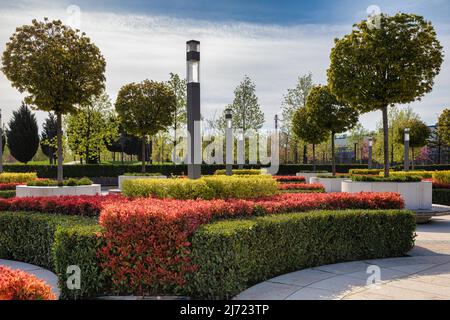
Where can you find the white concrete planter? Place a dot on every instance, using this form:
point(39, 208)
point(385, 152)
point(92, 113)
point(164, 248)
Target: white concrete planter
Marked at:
point(32, 191)
point(123, 178)
point(417, 195)
point(309, 175)
point(330, 184)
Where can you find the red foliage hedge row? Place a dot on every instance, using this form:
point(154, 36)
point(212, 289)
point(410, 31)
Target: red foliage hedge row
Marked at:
point(301, 186)
point(147, 247)
point(9, 186)
point(18, 285)
point(89, 206)
point(283, 179)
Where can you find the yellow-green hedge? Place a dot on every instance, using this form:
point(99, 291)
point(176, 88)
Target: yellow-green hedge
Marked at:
point(212, 187)
point(441, 177)
point(365, 171)
point(13, 177)
point(420, 174)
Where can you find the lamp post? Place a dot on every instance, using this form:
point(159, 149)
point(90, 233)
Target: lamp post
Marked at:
point(1, 142)
point(241, 149)
point(229, 142)
point(370, 152)
point(406, 165)
point(193, 109)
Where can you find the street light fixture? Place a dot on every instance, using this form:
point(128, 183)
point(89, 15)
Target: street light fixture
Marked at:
point(229, 142)
point(370, 152)
point(406, 144)
point(241, 149)
point(193, 108)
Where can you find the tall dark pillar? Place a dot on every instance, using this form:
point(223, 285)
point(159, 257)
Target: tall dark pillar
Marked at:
point(193, 109)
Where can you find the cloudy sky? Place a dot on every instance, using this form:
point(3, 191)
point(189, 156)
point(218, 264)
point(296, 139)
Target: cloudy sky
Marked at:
point(271, 41)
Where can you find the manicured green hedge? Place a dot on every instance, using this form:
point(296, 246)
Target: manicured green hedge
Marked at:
point(77, 245)
point(110, 170)
point(210, 187)
point(6, 194)
point(432, 167)
point(394, 178)
point(365, 171)
point(441, 196)
point(54, 242)
point(55, 183)
point(442, 177)
point(235, 254)
point(417, 173)
point(231, 255)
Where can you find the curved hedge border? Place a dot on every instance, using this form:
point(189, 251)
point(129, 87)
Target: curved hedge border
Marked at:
point(54, 242)
point(234, 255)
point(231, 255)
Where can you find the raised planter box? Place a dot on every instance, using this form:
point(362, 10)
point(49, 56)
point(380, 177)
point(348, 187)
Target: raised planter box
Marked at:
point(309, 175)
point(124, 178)
point(417, 195)
point(330, 184)
point(31, 191)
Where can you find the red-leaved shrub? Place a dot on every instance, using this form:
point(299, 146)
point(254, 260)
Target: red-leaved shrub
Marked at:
point(9, 186)
point(328, 201)
point(88, 206)
point(147, 249)
point(19, 285)
point(283, 179)
point(301, 186)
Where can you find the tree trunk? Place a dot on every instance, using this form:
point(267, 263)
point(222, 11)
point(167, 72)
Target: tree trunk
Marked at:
point(150, 151)
point(286, 149)
point(412, 158)
point(333, 159)
point(295, 153)
point(314, 157)
point(386, 141)
point(305, 154)
point(143, 144)
point(174, 153)
point(392, 153)
point(361, 154)
point(87, 155)
point(439, 153)
point(59, 143)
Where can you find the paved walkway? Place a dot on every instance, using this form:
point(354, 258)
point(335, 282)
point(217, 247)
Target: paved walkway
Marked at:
point(424, 274)
point(45, 275)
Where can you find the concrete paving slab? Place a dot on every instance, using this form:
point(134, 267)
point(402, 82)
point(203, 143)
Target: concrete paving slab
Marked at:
point(313, 294)
point(268, 291)
point(344, 268)
point(341, 284)
point(303, 278)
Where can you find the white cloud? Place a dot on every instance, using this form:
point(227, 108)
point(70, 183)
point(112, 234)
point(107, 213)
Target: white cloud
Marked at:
point(140, 47)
